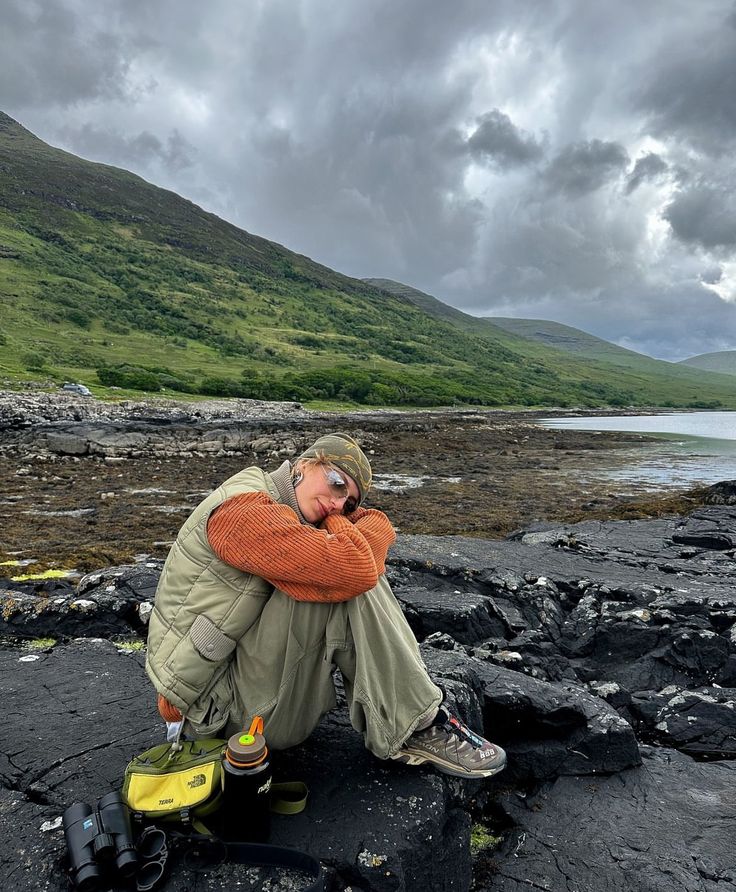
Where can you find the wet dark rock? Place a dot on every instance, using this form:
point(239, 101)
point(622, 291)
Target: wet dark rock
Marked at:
point(548, 729)
point(136, 583)
point(569, 645)
point(667, 825)
point(699, 722)
point(531, 653)
point(87, 707)
point(467, 616)
point(611, 601)
point(114, 602)
point(722, 493)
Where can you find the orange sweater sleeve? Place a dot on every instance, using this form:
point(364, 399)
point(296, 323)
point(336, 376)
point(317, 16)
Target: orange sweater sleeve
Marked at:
point(377, 529)
point(332, 563)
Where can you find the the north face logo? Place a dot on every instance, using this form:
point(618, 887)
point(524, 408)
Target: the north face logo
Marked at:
point(197, 781)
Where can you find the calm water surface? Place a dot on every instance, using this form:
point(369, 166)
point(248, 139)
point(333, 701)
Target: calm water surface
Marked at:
point(689, 447)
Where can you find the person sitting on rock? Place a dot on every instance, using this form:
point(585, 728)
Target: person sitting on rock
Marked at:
point(275, 579)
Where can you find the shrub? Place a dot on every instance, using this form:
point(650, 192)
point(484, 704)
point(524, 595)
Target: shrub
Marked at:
point(78, 318)
point(222, 387)
point(33, 361)
point(129, 376)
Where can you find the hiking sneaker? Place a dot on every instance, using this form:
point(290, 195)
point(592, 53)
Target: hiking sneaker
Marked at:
point(452, 748)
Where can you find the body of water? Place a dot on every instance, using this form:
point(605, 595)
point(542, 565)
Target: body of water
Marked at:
point(689, 448)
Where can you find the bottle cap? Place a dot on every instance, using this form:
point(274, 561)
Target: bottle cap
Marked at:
point(247, 749)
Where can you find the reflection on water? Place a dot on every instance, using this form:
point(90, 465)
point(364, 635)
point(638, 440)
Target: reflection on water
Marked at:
point(710, 425)
point(687, 448)
point(404, 482)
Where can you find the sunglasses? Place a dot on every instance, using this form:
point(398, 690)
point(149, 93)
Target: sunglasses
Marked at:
point(339, 486)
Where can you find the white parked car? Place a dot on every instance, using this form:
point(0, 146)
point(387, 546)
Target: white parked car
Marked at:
point(76, 388)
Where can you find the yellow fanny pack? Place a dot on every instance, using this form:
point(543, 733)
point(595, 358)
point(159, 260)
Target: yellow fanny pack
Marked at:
point(175, 782)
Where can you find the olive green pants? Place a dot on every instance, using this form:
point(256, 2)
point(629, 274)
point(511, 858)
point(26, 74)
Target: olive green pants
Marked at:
point(283, 666)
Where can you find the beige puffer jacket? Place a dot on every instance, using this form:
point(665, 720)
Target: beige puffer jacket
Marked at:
point(204, 606)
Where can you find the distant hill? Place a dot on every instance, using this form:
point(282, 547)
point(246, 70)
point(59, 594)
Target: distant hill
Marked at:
point(564, 337)
point(111, 281)
point(723, 361)
point(575, 350)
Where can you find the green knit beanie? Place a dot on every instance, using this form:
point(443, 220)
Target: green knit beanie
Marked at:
point(343, 452)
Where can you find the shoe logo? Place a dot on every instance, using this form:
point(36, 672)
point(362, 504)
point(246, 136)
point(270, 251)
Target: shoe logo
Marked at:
point(197, 781)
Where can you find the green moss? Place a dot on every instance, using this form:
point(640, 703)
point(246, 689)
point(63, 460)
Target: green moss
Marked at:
point(129, 645)
point(482, 841)
point(41, 643)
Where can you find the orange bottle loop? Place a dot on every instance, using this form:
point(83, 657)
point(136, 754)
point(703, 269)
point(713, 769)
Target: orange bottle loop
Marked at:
point(256, 726)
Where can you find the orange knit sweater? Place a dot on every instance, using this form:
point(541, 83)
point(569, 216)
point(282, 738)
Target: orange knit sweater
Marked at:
point(334, 562)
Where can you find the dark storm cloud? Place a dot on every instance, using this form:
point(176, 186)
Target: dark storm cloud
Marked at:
point(585, 166)
point(691, 91)
point(394, 195)
point(497, 139)
point(705, 214)
point(648, 167)
point(175, 153)
point(68, 57)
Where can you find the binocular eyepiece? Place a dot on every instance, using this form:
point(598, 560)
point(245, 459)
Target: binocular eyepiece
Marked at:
point(99, 839)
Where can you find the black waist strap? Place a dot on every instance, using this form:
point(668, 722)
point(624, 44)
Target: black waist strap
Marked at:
point(205, 851)
point(263, 855)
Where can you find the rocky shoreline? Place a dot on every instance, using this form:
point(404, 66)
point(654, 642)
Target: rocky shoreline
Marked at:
point(601, 654)
point(87, 484)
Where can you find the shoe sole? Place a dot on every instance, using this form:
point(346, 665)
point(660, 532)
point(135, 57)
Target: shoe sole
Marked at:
point(409, 758)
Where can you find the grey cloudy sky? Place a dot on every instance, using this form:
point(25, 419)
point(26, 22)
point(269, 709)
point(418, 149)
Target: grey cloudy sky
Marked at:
point(571, 160)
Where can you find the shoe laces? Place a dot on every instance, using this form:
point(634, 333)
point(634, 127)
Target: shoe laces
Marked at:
point(464, 733)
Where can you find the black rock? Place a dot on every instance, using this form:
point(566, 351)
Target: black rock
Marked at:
point(547, 729)
point(700, 722)
point(85, 708)
point(562, 644)
point(668, 825)
point(722, 493)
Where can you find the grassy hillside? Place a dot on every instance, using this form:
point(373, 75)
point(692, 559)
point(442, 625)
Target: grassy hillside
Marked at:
point(571, 340)
point(723, 361)
point(578, 354)
point(111, 281)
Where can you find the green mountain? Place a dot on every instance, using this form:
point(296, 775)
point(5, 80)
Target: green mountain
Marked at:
point(723, 361)
point(579, 354)
point(111, 281)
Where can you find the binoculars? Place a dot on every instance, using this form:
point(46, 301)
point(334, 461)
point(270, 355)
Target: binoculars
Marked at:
point(99, 840)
